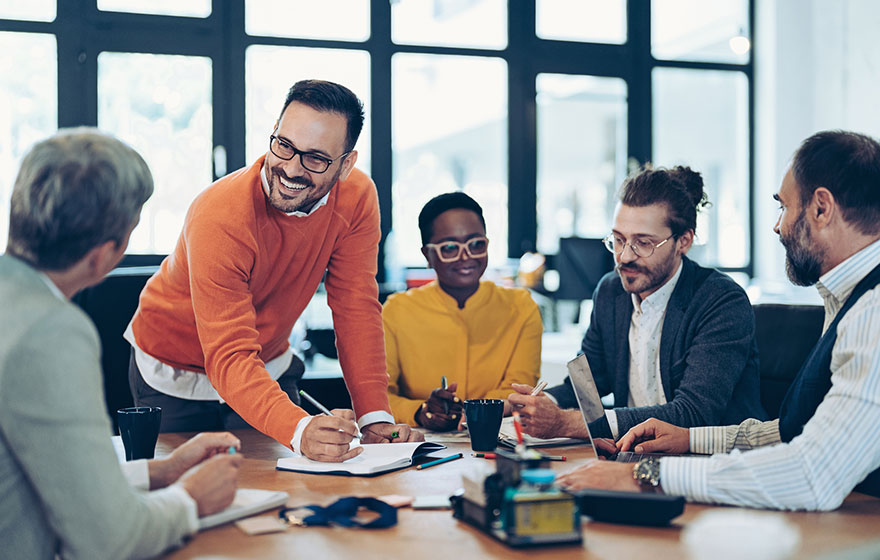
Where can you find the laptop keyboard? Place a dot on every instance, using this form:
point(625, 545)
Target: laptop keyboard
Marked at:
point(632, 457)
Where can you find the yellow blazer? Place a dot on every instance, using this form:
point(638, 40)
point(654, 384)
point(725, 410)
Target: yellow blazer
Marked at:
point(491, 343)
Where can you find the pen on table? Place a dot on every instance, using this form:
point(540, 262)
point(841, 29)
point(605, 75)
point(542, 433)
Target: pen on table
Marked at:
point(538, 388)
point(485, 455)
point(443, 385)
point(554, 457)
point(439, 461)
point(321, 407)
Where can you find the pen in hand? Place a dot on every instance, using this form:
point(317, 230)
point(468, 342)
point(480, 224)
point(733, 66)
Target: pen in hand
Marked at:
point(538, 388)
point(321, 407)
point(443, 385)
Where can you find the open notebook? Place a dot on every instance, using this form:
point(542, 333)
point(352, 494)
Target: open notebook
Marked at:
point(247, 501)
point(377, 458)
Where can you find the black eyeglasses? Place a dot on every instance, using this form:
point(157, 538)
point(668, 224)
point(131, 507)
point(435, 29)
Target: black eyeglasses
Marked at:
point(310, 160)
point(640, 247)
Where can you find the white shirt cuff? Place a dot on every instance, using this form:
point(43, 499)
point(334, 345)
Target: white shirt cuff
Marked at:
point(298, 434)
point(137, 473)
point(611, 416)
point(365, 420)
point(177, 493)
point(375, 417)
point(685, 476)
point(707, 440)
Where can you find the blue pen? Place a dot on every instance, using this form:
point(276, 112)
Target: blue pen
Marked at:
point(439, 461)
point(232, 450)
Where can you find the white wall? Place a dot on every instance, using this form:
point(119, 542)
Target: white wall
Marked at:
point(817, 67)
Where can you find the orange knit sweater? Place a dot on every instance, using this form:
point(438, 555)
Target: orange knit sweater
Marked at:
point(225, 301)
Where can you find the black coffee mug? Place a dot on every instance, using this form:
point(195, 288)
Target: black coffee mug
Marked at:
point(483, 422)
point(139, 428)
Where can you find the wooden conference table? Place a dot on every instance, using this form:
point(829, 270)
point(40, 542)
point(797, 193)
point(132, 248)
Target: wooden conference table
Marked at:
point(436, 534)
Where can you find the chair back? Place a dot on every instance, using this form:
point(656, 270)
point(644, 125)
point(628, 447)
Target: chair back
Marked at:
point(786, 334)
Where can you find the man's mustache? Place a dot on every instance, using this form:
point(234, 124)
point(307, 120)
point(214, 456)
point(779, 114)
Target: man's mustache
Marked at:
point(629, 268)
point(301, 180)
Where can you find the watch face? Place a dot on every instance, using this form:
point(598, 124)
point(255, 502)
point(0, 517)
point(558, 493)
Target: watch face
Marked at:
point(647, 472)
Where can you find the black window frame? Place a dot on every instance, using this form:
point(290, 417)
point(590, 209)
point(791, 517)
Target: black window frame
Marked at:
point(83, 32)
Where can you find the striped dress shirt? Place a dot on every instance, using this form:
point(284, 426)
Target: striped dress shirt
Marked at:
point(838, 447)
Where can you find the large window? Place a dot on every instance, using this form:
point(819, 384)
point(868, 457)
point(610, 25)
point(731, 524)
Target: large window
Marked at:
point(597, 21)
point(448, 138)
point(581, 155)
point(701, 116)
point(536, 109)
point(28, 104)
point(161, 105)
point(701, 120)
point(265, 91)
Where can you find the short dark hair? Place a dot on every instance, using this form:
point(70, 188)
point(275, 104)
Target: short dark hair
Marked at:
point(848, 165)
point(330, 97)
point(76, 190)
point(441, 203)
point(680, 189)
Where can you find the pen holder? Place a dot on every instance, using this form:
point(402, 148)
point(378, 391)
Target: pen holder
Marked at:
point(510, 464)
point(517, 504)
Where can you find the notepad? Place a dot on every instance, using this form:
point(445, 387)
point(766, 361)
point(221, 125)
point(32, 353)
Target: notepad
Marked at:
point(377, 458)
point(247, 501)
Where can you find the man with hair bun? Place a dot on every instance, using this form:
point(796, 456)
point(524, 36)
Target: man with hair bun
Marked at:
point(668, 337)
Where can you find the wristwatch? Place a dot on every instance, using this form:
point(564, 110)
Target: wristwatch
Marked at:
point(647, 473)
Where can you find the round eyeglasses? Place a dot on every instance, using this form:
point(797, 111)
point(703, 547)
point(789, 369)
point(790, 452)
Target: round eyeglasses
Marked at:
point(640, 247)
point(310, 160)
point(450, 251)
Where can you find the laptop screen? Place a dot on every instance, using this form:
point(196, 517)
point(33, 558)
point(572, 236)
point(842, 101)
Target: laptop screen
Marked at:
point(586, 393)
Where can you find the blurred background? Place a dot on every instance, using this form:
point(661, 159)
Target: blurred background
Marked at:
point(536, 108)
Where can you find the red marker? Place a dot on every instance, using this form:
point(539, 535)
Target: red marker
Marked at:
point(485, 455)
point(518, 427)
point(554, 457)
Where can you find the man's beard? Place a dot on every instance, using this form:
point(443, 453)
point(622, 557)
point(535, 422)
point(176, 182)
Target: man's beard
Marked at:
point(802, 265)
point(653, 277)
point(284, 202)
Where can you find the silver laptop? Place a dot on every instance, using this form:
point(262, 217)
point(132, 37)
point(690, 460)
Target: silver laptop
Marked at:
point(590, 403)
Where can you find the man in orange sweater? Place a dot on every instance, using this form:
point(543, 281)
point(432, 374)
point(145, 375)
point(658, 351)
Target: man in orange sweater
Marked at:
point(210, 336)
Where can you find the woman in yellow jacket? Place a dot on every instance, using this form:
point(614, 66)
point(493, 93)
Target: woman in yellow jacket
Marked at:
point(481, 337)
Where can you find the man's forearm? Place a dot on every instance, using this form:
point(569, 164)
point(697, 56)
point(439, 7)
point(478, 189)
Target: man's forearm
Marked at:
point(572, 423)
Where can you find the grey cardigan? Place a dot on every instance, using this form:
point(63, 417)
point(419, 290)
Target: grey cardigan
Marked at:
point(708, 353)
point(61, 488)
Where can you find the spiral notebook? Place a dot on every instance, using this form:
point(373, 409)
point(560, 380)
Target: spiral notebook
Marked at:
point(247, 501)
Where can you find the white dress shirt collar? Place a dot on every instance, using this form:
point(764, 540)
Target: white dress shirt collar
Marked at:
point(840, 281)
point(52, 287)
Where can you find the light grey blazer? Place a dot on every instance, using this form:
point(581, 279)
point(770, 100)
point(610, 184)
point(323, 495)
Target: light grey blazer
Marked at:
point(61, 488)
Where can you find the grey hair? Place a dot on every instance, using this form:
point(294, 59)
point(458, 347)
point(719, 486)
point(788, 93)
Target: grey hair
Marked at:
point(75, 191)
